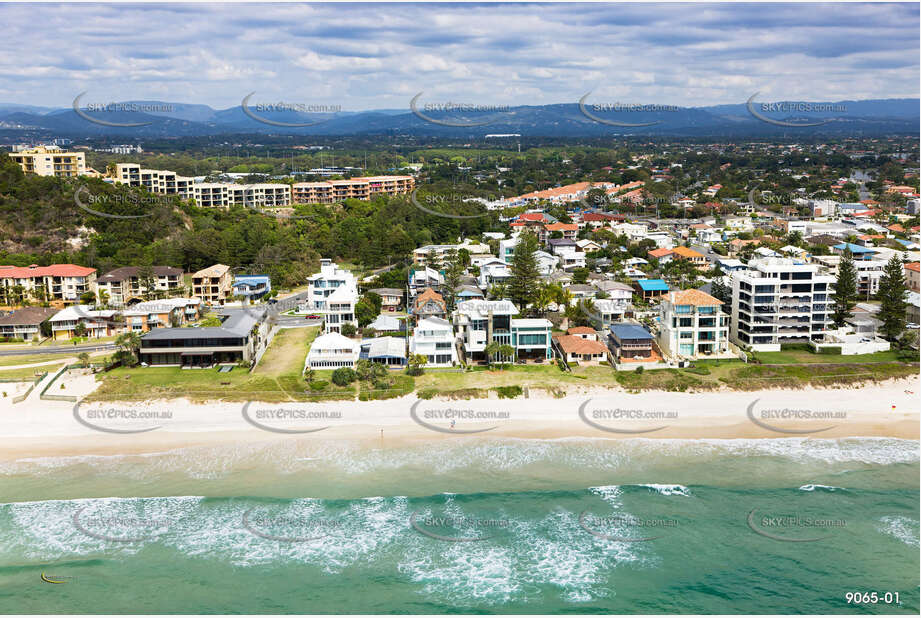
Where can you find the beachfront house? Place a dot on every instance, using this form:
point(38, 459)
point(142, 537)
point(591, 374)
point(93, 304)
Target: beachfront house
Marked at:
point(333, 293)
point(331, 351)
point(481, 322)
point(241, 337)
point(692, 324)
point(630, 342)
point(433, 337)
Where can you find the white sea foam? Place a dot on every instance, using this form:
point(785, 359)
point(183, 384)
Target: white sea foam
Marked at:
point(903, 528)
point(814, 487)
point(668, 490)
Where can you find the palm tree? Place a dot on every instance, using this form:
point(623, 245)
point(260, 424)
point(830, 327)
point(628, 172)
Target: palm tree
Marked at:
point(493, 348)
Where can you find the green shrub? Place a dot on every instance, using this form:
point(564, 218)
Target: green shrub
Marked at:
point(344, 376)
point(638, 369)
point(834, 350)
point(508, 392)
point(318, 385)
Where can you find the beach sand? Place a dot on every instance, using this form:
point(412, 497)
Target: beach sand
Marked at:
point(46, 428)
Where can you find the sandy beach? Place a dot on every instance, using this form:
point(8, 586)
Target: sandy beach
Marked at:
point(33, 429)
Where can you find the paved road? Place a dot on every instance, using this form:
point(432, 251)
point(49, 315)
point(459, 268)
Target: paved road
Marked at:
point(62, 349)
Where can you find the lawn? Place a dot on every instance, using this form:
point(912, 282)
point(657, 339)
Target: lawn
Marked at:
point(805, 356)
point(27, 374)
point(276, 378)
point(28, 359)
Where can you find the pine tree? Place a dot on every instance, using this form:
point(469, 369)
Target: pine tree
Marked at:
point(845, 296)
point(892, 299)
point(523, 284)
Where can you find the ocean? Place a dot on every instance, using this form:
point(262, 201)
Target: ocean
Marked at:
point(465, 525)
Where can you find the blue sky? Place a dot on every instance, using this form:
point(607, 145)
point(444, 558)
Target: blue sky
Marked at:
point(372, 56)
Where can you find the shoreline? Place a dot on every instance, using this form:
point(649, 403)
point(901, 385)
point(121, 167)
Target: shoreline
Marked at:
point(887, 409)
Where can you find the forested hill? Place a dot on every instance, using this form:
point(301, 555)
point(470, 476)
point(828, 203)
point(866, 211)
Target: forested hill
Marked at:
point(42, 222)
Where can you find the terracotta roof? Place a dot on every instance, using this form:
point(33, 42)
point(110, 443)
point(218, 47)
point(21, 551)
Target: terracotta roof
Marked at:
point(686, 252)
point(659, 253)
point(560, 227)
point(895, 227)
point(556, 191)
point(55, 270)
point(427, 295)
point(915, 266)
point(700, 226)
point(581, 330)
point(692, 297)
point(573, 344)
point(532, 216)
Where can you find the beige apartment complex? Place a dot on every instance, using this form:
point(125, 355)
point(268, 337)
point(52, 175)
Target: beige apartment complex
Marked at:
point(66, 282)
point(213, 285)
point(330, 191)
point(50, 161)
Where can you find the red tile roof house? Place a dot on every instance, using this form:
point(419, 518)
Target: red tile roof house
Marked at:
point(663, 255)
point(569, 230)
point(576, 349)
point(63, 282)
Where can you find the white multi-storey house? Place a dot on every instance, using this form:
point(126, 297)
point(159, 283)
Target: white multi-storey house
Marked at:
point(333, 293)
point(778, 301)
point(692, 324)
point(480, 322)
point(434, 338)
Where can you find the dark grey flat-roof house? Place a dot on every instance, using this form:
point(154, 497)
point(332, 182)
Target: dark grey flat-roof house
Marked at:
point(240, 337)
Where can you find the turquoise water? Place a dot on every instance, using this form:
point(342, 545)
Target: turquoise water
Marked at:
point(469, 525)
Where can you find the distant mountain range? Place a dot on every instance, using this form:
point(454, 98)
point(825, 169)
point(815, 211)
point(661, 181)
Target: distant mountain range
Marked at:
point(852, 118)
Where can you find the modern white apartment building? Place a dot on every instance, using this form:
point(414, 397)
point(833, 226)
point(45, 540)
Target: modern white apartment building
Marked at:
point(65, 282)
point(434, 338)
point(333, 292)
point(869, 273)
point(607, 311)
point(163, 182)
point(224, 195)
point(50, 161)
point(777, 301)
point(692, 324)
